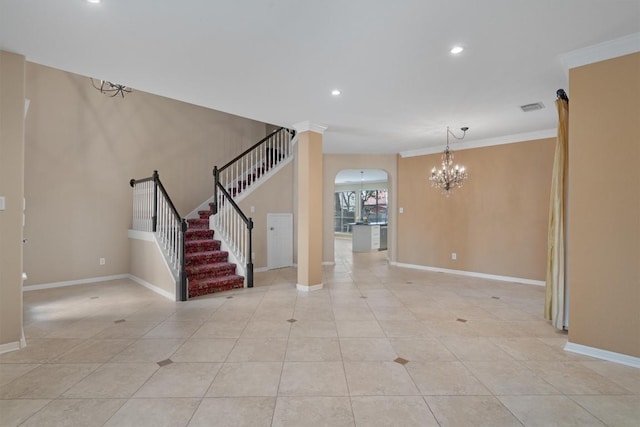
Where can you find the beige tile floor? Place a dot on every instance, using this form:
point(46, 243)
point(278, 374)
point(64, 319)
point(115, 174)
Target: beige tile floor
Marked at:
point(117, 354)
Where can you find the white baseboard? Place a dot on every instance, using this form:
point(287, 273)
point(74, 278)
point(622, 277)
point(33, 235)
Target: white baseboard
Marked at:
point(92, 280)
point(10, 346)
point(598, 353)
point(309, 288)
point(470, 274)
point(152, 287)
point(74, 282)
point(13, 346)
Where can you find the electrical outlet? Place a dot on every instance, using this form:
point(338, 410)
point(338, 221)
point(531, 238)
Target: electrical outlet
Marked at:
point(253, 255)
point(253, 209)
point(103, 261)
point(401, 210)
point(454, 256)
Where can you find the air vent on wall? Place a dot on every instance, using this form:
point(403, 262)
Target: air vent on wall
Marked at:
point(532, 107)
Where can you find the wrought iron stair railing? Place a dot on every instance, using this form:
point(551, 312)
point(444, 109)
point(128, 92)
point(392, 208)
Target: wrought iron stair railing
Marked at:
point(237, 176)
point(153, 211)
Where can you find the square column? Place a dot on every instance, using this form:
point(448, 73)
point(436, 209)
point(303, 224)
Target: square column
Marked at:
point(309, 218)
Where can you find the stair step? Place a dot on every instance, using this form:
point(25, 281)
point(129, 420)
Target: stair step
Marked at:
point(205, 214)
point(208, 271)
point(209, 257)
point(192, 246)
point(216, 284)
point(199, 223)
point(199, 234)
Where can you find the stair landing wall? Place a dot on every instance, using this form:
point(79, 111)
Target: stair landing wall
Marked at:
point(148, 265)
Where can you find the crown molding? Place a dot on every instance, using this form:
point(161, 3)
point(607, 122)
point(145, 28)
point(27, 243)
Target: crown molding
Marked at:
point(307, 126)
point(501, 140)
point(601, 51)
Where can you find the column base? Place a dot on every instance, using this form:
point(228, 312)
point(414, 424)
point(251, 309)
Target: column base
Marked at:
point(309, 288)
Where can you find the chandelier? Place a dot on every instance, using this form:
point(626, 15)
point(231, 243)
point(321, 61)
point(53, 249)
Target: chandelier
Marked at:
point(110, 89)
point(448, 176)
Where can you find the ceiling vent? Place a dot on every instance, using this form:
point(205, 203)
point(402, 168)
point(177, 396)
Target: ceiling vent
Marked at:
point(532, 107)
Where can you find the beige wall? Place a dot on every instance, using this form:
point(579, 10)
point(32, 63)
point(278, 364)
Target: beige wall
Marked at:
point(334, 163)
point(604, 205)
point(147, 263)
point(12, 101)
point(496, 224)
point(273, 196)
point(81, 150)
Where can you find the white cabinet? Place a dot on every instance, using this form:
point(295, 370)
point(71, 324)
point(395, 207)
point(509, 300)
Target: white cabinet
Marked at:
point(366, 238)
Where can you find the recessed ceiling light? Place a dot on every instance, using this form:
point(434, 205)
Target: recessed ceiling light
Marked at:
point(456, 50)
point(93, 1)
point(336, 92)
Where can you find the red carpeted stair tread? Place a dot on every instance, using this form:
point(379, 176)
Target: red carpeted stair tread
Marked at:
point(205, 214)
point(206, 257)
point(198, 223)
point(216, 284)
point(192, 246)
point(212, 268)
point(199, 234)
point(205, 271)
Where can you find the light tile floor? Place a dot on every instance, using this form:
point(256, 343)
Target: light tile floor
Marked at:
point(478, 352)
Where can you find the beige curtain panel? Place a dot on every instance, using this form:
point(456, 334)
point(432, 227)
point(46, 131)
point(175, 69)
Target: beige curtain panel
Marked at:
point(555, 285)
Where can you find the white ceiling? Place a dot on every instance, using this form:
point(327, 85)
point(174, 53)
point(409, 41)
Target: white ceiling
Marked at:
point(277, 60)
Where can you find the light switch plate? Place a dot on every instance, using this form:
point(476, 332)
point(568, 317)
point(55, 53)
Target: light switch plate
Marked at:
point(2, 203)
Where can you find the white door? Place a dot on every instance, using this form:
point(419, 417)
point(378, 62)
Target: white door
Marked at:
point(279, 240)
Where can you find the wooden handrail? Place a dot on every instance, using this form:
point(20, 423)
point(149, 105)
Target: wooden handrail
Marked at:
point(248, 150)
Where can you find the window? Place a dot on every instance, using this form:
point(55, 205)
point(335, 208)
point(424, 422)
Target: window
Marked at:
point(345, 211)
point(368, 206)
point(375, 206)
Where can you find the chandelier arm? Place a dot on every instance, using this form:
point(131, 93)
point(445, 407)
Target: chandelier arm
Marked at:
point(110, 89)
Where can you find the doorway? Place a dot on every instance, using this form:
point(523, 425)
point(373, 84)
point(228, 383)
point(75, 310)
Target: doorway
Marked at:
point(361, 204)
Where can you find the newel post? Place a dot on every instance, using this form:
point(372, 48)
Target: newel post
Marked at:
point(154, 218)
point(214, 205)
point(183, 294)
point(250, 256)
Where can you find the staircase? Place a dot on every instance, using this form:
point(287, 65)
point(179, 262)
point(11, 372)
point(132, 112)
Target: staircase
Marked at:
point(207, 267)
point(195, 259)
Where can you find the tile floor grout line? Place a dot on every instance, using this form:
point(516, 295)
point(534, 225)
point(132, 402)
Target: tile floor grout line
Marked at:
point(366, 281)
point(273, 414)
